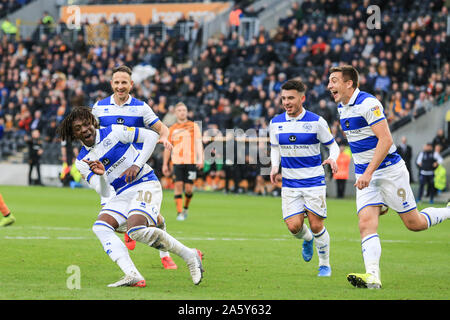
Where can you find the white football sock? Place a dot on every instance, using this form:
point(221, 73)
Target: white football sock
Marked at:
point(322, 242)
point(435, 216)
point(371, 251)
point(160, 240)
point(304, 233)
point(114, 247)
point(162, 253)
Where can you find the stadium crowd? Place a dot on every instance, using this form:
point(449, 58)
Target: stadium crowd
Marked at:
point(9, 6)
point(234, 83)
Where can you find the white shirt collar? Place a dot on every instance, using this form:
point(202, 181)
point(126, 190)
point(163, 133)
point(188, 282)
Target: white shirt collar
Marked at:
point(351, 102)
point(113, 102)
point(97, 140)
point(299, 117)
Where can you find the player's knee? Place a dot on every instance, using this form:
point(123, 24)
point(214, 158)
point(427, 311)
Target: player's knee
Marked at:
point(415, 226)
point(414, 221)
point(316, 226)
point(161, 222)
point(293, 226)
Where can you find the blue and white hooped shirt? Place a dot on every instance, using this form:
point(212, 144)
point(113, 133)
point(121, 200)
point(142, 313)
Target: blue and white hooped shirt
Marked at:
point(114, 148)
point(299, 142)
point(363, 111)
point(133, 113)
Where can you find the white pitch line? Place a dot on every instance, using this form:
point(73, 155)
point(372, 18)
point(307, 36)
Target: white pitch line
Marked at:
point(211, 239)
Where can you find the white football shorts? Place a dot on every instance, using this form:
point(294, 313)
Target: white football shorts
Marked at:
point(144, 198)
point(295, 201)
point(389, 187)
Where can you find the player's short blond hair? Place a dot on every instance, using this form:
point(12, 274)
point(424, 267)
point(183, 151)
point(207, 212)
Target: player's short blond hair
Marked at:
point(180, 104)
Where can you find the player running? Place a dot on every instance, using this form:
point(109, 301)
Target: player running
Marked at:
point(382, 179)
point(295, 138)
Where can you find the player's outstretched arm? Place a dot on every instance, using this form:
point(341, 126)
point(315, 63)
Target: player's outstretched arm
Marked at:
point(163, 131)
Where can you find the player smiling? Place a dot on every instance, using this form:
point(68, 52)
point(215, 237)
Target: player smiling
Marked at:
point(107, 159)
point(382, 179)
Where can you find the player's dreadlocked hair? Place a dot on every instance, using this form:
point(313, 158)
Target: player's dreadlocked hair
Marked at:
point(78, 113)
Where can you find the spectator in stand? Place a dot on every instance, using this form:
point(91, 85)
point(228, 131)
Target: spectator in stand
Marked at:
point(382, 81)
point(396, 107)
point(44, 72)
point(37, 123)
point(440, 139)
point(49, 132)
point(422, 102)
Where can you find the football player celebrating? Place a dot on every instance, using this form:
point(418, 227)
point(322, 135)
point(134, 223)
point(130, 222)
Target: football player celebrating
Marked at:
point(108, 159)
point(382, 179)
point(295, 139)
point(121, 108)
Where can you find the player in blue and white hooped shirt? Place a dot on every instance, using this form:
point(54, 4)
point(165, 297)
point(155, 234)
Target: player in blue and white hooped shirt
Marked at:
point(382, 180)
point(295, 138)
point(123, 109)
point(108, 158)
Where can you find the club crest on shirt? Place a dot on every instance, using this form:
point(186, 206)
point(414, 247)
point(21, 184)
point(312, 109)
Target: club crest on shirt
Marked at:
point(307, 127)
point(347, 123)
point(133, 109)
point(292, 138)
point(107, 143)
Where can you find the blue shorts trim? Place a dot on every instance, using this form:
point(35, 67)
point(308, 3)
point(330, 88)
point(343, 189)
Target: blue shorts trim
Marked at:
point(400, 212)
point(372, 205)
point(119, 213)
point(142, 211)
point(294, 214)
point(320, 216)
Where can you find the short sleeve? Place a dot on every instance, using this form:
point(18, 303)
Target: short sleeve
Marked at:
point(272, 135)
point(150, 118)
point(324, 133)
point(126, 134)
point(373, 111)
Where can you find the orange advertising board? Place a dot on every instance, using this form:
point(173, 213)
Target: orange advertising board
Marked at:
point(142, 13)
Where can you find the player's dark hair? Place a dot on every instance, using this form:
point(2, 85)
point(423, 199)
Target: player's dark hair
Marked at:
point(78, 113)
point(294, 84)
point(122, 68)
point(348, 73)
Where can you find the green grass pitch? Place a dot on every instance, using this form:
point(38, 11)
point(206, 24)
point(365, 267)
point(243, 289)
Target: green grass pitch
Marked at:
point(249, 254)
